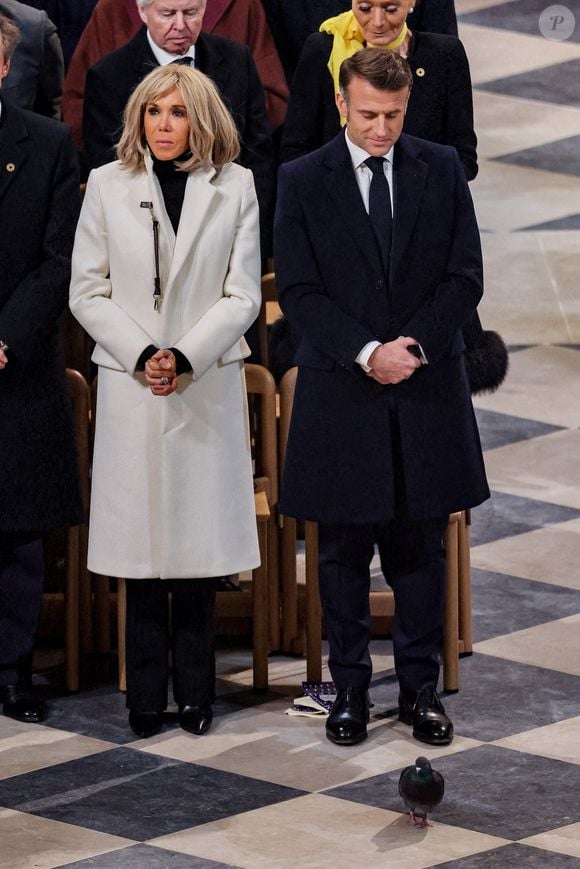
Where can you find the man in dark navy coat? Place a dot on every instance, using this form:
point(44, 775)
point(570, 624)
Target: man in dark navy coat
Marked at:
point(39, 490)
point(378, 265)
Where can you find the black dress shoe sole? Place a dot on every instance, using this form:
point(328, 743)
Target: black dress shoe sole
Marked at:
point(429, 740)
point(34, 718)
point(346, 740)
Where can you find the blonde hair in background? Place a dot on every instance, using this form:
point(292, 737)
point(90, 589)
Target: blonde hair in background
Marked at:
point(213, 136)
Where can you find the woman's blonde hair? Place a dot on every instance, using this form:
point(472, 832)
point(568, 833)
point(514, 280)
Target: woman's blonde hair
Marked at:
point(213, 137)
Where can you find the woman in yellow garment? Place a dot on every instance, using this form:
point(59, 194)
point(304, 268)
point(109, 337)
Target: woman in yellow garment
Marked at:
point(440, 106)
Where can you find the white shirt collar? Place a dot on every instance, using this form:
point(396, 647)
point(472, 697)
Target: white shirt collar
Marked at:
point(165, 57)
point(359, 155)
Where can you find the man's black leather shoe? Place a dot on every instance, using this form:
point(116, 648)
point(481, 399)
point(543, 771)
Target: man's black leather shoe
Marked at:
point(425, 712)
point(195, 719)
point(21, 704)
point(349, 716)
point(145, 724)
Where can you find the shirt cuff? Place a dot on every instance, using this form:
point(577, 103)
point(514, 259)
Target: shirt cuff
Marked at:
point(365, 354)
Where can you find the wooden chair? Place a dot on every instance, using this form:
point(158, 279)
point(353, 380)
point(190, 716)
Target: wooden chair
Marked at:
point(263, 605)
point(457, 615)
point(77, 580)
point(269, 311)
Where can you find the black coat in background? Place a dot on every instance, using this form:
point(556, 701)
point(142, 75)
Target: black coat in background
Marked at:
point(39, 197)
point(70, 18)
point(440, 106)
point(36, 74)
point(292, 22)
point(111, 81)
point(340, 461)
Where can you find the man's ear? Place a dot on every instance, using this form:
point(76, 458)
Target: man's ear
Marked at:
point(4, 70)
point(341, 104)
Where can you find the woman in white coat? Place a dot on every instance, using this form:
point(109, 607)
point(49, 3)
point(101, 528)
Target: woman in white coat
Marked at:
point(166, 279)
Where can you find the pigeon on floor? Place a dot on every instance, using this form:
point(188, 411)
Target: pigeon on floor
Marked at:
point(421, 788)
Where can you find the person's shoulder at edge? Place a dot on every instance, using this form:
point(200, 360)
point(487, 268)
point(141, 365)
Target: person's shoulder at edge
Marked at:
point(39, 124)
point(439, 42)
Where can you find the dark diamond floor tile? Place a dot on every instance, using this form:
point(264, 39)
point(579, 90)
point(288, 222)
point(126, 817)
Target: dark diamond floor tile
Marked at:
point(562, 156)
point(516, 856)
point(129, 793)
point(521, 16)
point(503, 604)
point(490, 790)
point(551, 84)
point(147, 857)
point(505, 515)
point(571, 221)
point(500, 698)
point(102, 713)
point(500, 429)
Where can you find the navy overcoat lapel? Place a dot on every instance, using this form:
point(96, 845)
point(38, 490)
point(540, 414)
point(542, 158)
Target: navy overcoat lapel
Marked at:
point(340, 181)
point(410, 176)
point(13, 153)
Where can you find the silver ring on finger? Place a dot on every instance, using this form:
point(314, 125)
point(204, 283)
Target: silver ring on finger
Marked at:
point(164, 380)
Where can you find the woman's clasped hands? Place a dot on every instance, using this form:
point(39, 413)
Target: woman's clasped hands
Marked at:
point(160, 373)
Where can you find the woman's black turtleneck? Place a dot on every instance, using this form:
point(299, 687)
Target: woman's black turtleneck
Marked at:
point(172, 182)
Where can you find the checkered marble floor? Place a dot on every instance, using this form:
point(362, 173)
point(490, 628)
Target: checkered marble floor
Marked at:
point(264, 791)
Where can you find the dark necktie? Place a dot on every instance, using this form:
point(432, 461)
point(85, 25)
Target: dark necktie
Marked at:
point(380, 212)
point(184, 61)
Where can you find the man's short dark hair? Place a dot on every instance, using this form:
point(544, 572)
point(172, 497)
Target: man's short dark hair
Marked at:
point(383, 69)
point(10, 36)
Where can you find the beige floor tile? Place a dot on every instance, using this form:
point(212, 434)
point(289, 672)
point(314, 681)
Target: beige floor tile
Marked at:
point(528, 197)
point(505, 124)
point(549, 555)
point(293, 751)
point(565, 840)
point(544, 468)
point(27, 747)
point(543, 383)
point(30, 842)
point(554, 645)
point(523, 298)
point(308, 830)
point(495, 53)
point(560, 741)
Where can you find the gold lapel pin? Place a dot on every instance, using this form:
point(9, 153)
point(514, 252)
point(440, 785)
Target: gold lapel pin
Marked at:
point(10, 167)
point(420, 71)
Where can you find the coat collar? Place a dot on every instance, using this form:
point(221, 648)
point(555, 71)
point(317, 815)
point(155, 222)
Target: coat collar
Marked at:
point(409, 177)
point(13, 155)
point(210, 57)
point(199, 194)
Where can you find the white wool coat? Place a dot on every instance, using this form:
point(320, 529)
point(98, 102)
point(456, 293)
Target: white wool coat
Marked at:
point(172, 491)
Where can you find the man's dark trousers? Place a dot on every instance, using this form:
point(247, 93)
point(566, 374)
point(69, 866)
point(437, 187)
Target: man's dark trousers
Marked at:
point(21, 582)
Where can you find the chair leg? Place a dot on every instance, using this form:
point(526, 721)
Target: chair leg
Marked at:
point(288, 582)
point(465, 603)
point(313, 608)
point(121, 630)
point(260, 612)
point(274, 584)
point(85, 594)
point(451, 616)
point(72, 637)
